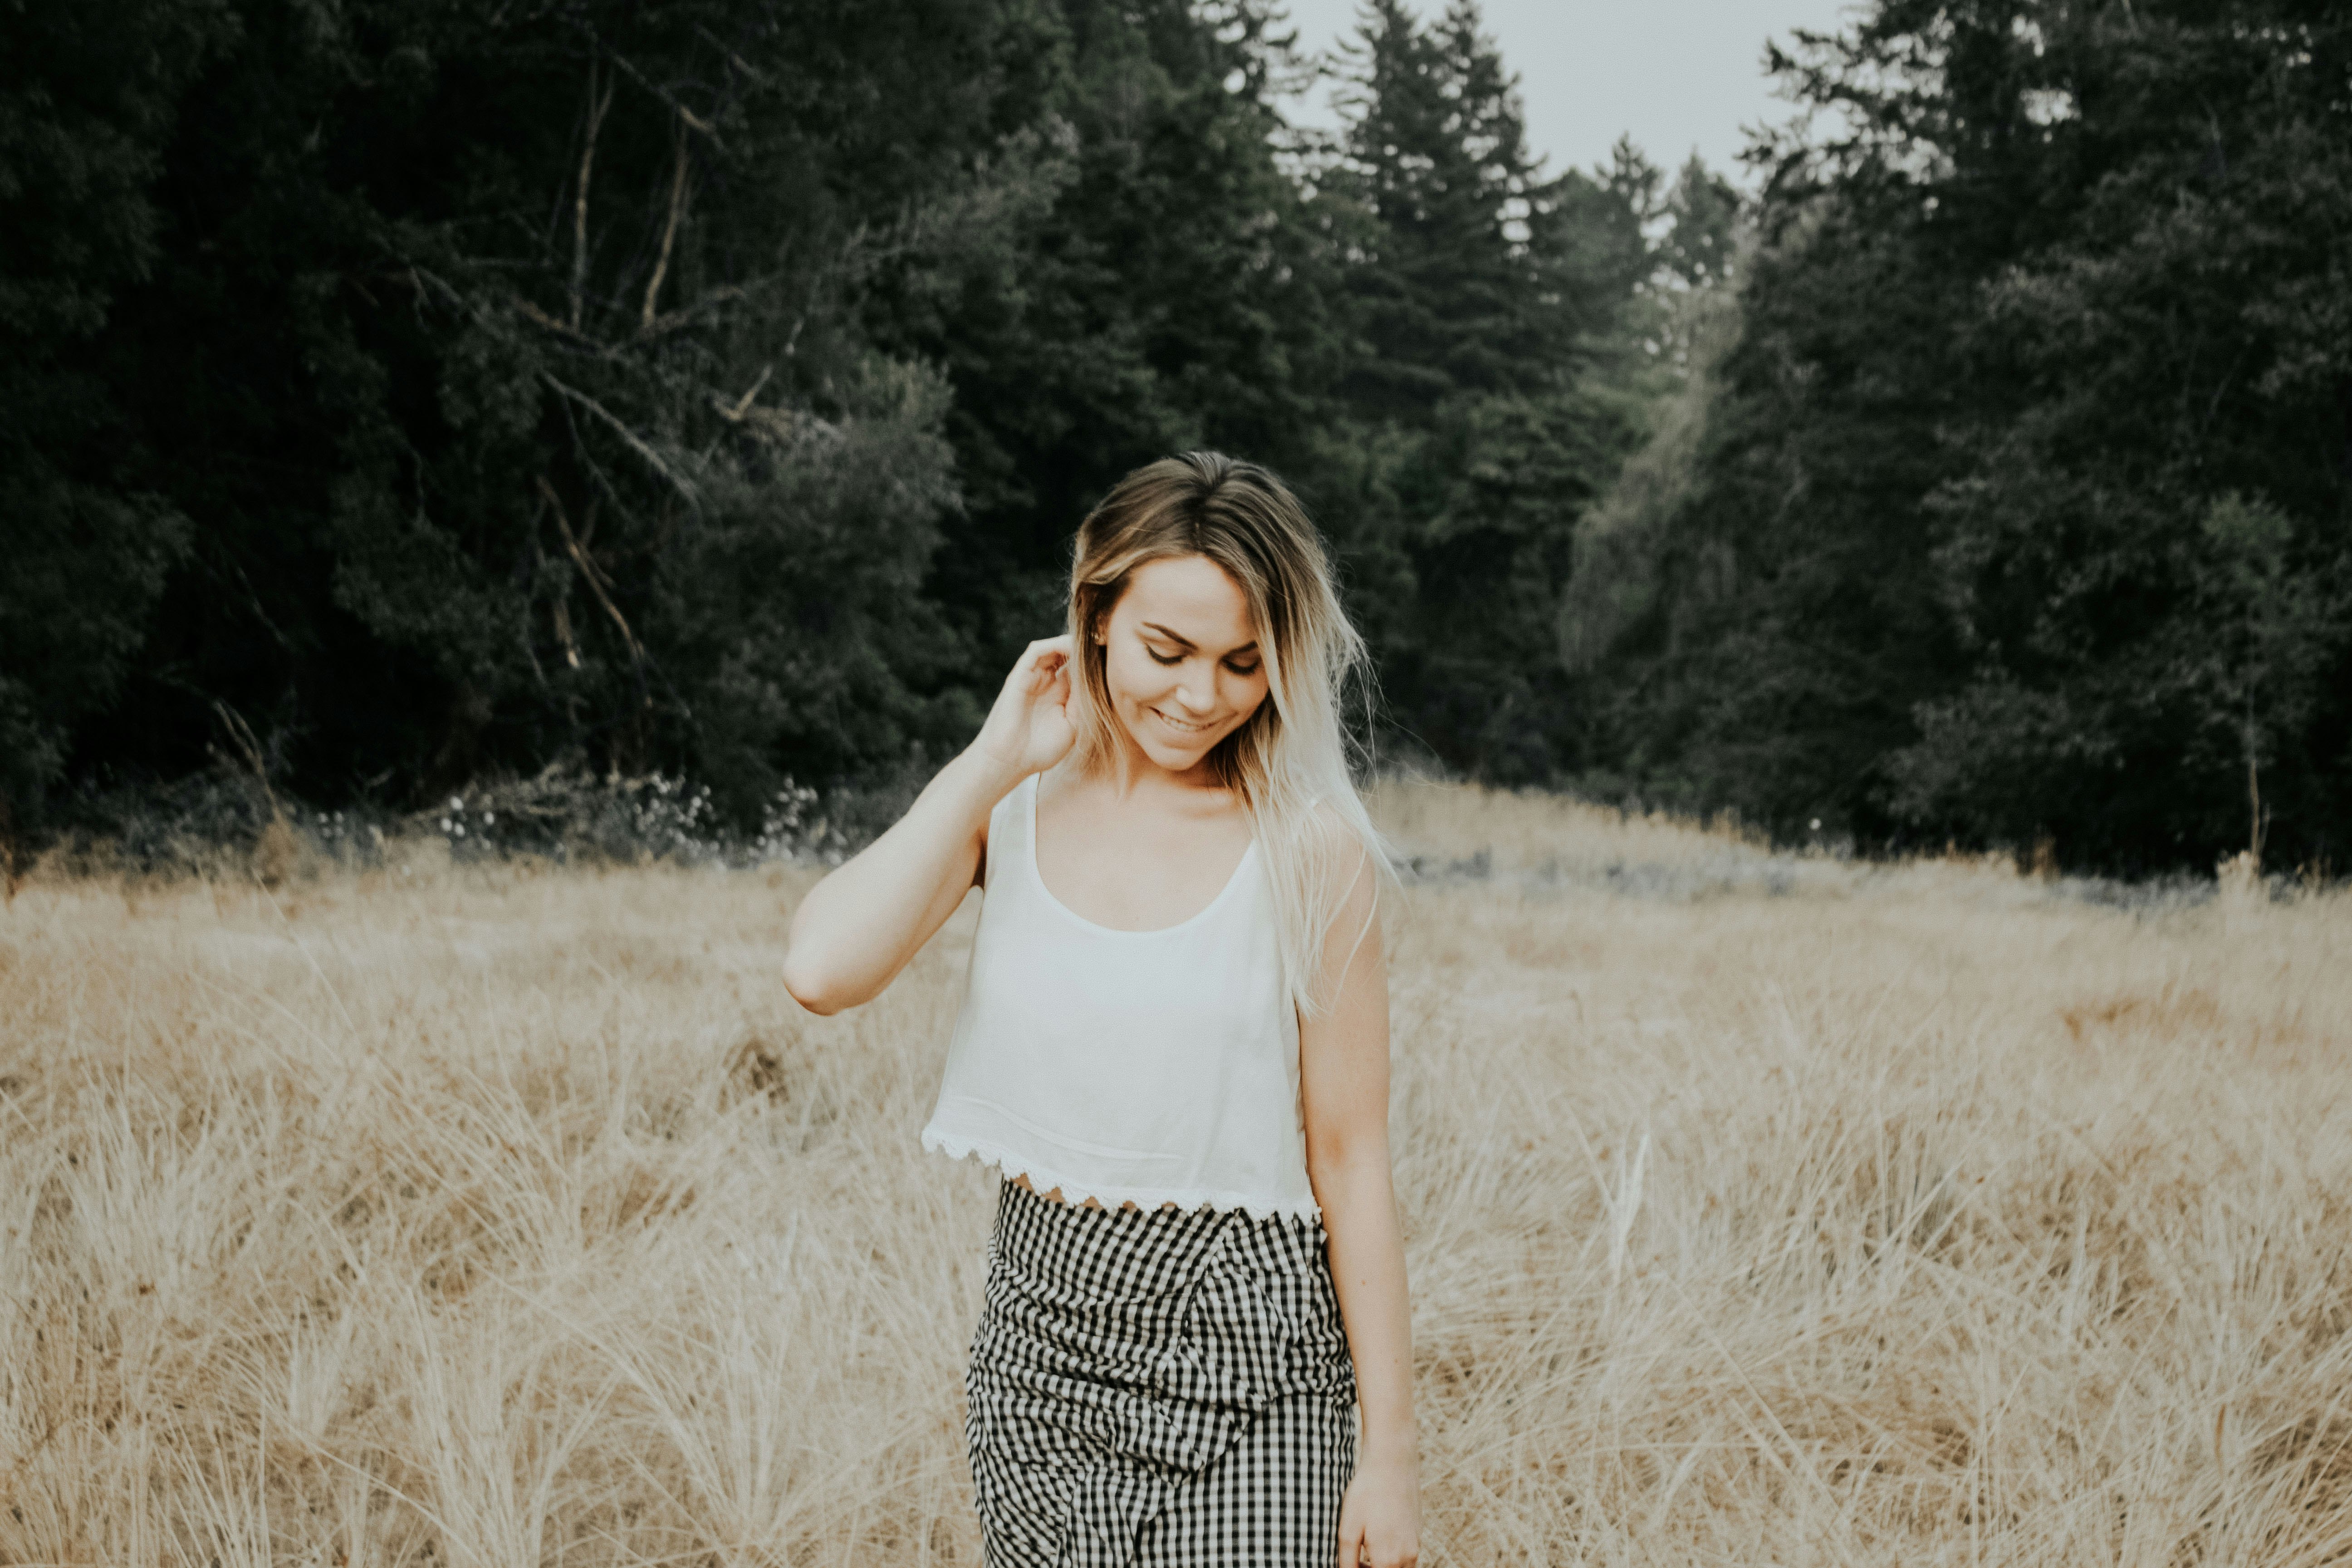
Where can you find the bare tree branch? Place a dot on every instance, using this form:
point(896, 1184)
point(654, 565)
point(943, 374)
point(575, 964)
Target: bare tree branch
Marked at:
point(669, 227)
point(735, 412)
point(595, 580)
point(558, 607)
point(635, 442)
point(540, 318)
point(737, 60)
point(597, 105)
point(686, 316)
point(563, 618)
point(693, 119)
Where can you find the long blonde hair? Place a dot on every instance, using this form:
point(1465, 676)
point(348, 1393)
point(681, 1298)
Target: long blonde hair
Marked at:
point(1289, 760)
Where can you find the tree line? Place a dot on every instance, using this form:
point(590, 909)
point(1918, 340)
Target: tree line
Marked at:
point(2016, 512)
point(432, 391)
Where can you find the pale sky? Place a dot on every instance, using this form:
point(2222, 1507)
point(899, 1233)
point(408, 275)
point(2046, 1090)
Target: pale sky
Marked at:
point(1674, 74)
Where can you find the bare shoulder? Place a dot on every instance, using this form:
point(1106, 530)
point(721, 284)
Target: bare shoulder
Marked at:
point(1345, 871)
point(1334, 838)
point(1344, 861)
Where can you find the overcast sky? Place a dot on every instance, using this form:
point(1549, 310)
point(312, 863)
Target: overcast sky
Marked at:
point(1674, 74)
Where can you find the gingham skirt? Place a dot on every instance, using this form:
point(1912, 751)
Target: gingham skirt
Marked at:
point(1157, 1389)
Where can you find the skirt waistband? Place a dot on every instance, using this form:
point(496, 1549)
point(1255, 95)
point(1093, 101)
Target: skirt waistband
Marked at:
point(1144, 1254)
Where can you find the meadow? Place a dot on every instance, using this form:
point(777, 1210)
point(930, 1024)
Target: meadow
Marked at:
point(1761, 1208)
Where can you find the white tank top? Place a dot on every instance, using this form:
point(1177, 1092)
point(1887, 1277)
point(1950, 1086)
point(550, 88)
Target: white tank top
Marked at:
point(1151, 1068)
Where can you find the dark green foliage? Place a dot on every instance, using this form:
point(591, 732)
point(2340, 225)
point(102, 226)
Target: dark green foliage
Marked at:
point(88, 100)
point(2021, 512)
point(1498, 390)
point(1452, 299)
point(490, 355)
point(713, 386)
point(1131, 273)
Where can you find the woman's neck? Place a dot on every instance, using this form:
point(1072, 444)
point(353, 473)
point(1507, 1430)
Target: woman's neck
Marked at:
point(1131, 775)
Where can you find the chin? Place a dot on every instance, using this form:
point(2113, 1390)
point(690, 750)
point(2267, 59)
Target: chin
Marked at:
point(1174, 759)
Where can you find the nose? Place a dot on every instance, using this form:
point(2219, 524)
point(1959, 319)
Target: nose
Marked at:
point(1196, 692)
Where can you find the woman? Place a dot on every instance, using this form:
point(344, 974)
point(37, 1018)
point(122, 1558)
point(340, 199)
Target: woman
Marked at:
point(1174, 1046)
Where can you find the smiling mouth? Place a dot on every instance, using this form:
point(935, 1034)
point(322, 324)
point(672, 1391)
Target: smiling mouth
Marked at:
point(1179, 724)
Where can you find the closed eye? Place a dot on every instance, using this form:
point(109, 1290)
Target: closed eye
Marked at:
point(1174, 659)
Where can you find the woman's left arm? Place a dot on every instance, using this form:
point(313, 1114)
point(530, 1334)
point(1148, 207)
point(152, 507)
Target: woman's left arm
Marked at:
point(1343, 1067)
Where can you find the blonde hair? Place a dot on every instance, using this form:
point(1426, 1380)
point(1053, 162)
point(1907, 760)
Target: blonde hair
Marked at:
point(1289, 760)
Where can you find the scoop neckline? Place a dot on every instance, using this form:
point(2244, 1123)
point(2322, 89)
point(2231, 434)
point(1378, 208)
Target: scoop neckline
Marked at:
point(1037, 879)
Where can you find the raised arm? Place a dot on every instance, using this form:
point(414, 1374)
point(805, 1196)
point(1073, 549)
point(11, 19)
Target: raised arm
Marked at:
point(1343, 1063)
point(859, 927)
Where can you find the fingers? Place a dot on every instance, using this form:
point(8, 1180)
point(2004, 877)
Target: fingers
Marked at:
point(1357, 1551)
point(1039, 662)
point(1045, 652)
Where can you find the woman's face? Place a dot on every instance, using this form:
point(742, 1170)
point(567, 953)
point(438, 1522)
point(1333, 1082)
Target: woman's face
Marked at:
point(1181, 658)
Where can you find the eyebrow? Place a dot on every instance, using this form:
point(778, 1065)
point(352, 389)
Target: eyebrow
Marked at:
point(1182, 641)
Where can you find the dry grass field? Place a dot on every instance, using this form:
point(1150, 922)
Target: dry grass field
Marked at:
point(1760, 1210)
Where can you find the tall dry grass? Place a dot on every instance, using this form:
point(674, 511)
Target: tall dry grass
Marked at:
point(1761, 1209)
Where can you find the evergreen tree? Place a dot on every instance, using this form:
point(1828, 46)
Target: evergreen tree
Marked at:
point(1451, 298)
point(1156, 282)
point(715, 384)
point(480, 340)
point(2012, 342)
point(1491, 404)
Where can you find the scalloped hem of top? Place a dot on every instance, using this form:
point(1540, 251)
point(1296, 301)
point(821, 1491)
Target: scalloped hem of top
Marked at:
point(1010, 1165)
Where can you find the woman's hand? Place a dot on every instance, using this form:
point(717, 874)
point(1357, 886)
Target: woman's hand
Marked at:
point(1029, 730)
point(857, 928)
point(1379, 1517)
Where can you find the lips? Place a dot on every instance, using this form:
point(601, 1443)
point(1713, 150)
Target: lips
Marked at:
point(1179, 725)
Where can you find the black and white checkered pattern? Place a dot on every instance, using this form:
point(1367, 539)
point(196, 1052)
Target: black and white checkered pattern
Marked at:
point(1157, 1389)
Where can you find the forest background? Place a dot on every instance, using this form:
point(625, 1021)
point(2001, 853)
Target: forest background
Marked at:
point(397, 395)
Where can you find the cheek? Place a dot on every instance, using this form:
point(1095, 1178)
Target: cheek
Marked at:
point(1128, 670)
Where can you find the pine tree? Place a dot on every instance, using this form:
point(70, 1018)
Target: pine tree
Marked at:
point(1160, 285)
point(2022, 514)
point(1451, 297)
point(1493, 302)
